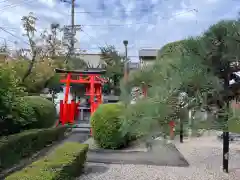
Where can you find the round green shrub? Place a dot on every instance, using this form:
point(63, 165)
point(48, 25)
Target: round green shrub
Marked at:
point(106, 126)
point(45, 111)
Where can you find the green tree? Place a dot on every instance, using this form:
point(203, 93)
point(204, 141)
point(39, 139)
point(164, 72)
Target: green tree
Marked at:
point(114, 65)
point(45, 55)
point(199, 70)
point(15, 113)
point(29, 25)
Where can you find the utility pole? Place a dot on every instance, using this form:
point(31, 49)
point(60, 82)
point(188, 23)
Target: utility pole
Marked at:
point(125, 42)
point(70, 30)
point(73, 28)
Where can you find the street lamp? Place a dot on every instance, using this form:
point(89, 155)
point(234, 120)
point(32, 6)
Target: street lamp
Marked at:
point(183, 103)
point(125, 42)
point(225, 130)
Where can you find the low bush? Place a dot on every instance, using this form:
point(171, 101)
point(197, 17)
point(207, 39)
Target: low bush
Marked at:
point(45, 111)
point(16, 147)
point(106, 126)
point(65, 163)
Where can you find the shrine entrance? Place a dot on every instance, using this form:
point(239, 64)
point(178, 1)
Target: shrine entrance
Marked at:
point(72, 112)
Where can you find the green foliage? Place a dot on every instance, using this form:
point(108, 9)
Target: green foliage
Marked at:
point(15, 112)
point(106, 125)
point(54, 83)
point(171, 49)
point(221, 45)
point(65, 163)
point(196, 66)
point(114, 65)
point(44, 109)
point(15, 147)
point(77, 63)
point(42, 73)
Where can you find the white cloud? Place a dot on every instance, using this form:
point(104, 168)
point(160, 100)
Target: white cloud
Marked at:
point(49, 3)
point(212, 1)
point(184, 15)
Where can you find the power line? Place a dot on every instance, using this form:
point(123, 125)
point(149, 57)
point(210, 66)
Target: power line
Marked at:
point(7, 40)
point(14, 5)
point(8, 32)
point(167, 17)
point(99, 46)
point(121, 11)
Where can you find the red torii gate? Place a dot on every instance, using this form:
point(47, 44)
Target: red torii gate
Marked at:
point(90, 77)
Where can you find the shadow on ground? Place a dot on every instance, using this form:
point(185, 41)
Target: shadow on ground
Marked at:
point(161, 154)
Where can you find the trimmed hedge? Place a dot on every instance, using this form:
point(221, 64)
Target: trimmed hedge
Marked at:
point(16, 147)
point(65, 163)
point(106, 126)
point(45, 111)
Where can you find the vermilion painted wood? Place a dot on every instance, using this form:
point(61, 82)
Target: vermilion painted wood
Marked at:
point(172, 125)
point(72, 112)
point(69, 112)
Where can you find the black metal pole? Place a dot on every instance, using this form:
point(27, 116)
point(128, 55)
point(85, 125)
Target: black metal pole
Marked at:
point(181, 131)
point(125, 42)
point(225, 131)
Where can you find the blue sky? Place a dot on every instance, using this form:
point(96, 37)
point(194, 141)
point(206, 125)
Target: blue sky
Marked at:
point(144, 23)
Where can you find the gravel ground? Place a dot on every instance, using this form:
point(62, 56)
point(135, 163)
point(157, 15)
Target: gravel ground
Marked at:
point(204, 155)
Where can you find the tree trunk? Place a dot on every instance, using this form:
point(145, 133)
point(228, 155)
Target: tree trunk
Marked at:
point(30, 67)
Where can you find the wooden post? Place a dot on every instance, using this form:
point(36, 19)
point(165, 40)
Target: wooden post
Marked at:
point(100, 94)
point(144, 89)
point(77, 111)
point(67, 89)
point(172, 125)
point(92, 78)
point(92, 94)
point(72, 112)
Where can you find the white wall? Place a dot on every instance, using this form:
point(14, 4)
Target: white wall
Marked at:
point(147, 63)
point(60, 96)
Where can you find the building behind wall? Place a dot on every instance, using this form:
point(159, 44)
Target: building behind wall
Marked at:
point(133, 66)
point(93, 59)
point(147, 56)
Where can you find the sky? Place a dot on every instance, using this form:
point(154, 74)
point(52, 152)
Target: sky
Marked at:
point(144, 23)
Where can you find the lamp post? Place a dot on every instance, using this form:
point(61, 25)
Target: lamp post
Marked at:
point(225, 130)
point(183, 103)
point(125, 42)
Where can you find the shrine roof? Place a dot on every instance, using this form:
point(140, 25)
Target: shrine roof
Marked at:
point(83, 71)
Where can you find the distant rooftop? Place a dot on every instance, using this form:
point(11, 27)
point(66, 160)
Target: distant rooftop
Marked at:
point(148, 52)
point(82, 71)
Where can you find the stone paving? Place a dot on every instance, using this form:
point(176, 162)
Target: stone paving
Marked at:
point(203, 154)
